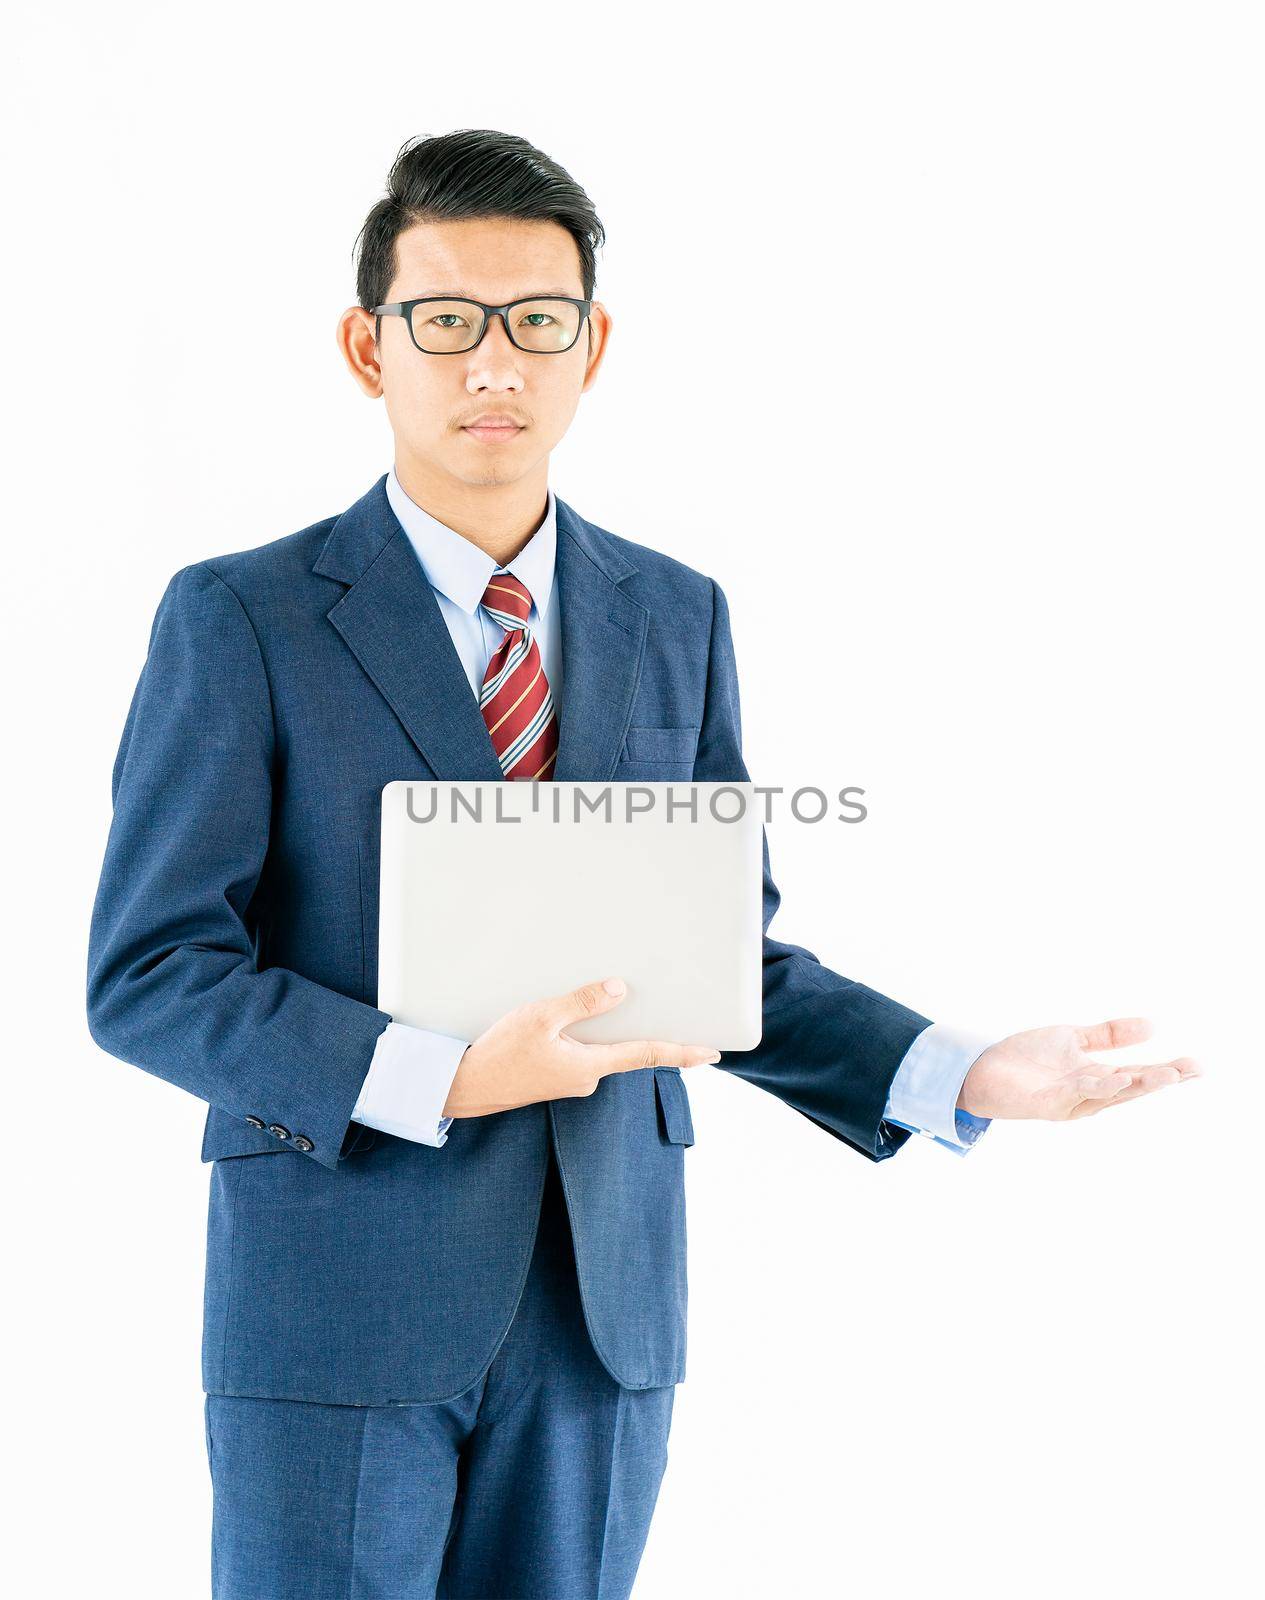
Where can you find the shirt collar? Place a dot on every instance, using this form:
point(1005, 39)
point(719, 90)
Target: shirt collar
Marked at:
point(457, 567)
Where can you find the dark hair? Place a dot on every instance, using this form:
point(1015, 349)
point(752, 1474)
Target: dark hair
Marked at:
point(471, 172)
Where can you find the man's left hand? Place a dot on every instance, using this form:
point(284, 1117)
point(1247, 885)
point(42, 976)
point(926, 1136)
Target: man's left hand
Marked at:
point(1049, 1073)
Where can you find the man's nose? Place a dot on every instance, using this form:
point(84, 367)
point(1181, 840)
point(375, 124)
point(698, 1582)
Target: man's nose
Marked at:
point(494, 360)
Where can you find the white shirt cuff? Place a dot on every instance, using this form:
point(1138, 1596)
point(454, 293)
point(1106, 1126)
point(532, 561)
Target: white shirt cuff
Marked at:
point(408, 1081)
point(923, 1095)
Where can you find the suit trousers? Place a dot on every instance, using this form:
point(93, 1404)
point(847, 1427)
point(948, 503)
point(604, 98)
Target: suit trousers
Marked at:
point(537, 1483)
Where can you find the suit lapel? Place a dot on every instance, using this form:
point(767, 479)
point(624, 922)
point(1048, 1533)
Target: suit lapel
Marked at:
point(390, 620)
point(603, 639)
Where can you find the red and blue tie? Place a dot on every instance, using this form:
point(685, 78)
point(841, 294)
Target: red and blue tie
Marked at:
point(515, 700)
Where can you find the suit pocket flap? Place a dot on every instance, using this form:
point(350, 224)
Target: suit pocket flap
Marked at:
point(673, 745)
point(674, 1105)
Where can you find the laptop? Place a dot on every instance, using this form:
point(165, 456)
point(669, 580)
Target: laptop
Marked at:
point(494, 894)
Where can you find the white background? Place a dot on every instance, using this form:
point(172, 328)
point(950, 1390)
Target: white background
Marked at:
point(963, 409)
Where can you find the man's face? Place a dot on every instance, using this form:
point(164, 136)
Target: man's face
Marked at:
point(433, 400)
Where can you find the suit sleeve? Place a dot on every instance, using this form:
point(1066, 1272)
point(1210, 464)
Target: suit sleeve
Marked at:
point(173, 985)
point(830, 1047)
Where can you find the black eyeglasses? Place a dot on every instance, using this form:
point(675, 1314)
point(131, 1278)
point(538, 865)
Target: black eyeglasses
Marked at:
point(545, 325)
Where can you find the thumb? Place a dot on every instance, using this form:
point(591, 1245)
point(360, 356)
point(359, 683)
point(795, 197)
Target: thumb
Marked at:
point(588, 1000)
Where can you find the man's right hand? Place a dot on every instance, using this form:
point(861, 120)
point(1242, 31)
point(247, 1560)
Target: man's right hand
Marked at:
point(525, 1056)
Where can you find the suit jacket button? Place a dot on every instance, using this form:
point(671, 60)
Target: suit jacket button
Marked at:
point(280, 1131)
point(303, 1143)
point(257, 1122)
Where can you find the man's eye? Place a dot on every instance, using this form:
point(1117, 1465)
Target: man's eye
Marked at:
point(537, 318)
point(446, 318)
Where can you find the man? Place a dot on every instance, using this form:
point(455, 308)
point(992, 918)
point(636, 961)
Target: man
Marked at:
point(446, 1289)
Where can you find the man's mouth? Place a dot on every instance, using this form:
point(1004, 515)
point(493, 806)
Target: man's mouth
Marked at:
point(493, 428)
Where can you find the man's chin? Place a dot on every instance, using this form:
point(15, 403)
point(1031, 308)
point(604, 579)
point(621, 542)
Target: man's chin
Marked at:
point(491, 475)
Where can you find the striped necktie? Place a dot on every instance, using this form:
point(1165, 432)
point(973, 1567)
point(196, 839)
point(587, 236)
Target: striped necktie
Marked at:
point(515, 700)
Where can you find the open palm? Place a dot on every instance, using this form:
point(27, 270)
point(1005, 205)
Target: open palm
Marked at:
point(1049, 1072)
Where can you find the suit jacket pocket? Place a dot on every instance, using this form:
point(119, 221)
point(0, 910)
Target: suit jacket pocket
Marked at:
point(671, 747)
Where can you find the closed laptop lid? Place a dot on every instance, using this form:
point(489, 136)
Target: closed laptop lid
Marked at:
point(494, 894)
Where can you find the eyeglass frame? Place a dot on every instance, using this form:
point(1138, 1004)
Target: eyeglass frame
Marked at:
point(404, 308)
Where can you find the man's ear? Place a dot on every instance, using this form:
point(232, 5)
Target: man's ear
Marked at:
point(599, 320)
point(357, 339)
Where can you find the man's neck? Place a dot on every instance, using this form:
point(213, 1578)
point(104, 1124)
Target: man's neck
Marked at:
point(499, 518)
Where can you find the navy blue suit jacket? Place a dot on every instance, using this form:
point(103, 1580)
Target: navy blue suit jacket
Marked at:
point(233, 953)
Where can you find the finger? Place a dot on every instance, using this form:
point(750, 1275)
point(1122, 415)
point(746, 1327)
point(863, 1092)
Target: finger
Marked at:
point(586, 1001)
point(1087, 1091)
point(1183, 1066)
point(1088, 1105)
point(633, 1054)
point(1146, 1080)
point(1114, 1035)
point(1102, 1085)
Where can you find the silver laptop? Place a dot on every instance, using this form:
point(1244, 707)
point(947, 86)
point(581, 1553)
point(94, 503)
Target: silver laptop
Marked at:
point(493, 894)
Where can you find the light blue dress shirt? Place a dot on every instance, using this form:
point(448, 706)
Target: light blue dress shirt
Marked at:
point(412, 1069)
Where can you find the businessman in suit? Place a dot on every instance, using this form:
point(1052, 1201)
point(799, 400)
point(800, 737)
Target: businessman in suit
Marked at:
point(445, 1305)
